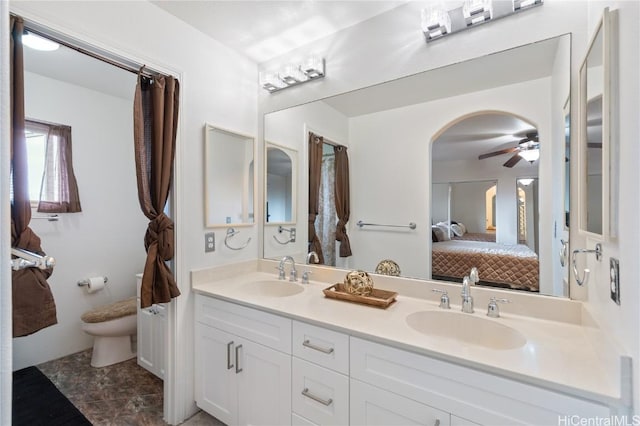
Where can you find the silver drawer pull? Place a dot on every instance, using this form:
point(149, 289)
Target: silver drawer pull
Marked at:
point(437, 423)
point(229, 364)
point(308, 394)
point(317, 348)
point(238, 369)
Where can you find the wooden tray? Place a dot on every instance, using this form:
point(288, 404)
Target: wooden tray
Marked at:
point(378, 298)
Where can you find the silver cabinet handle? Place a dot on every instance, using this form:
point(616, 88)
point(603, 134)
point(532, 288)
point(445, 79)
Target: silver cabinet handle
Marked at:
point(238, 369)
point(437, 423)
point(308, 394)
point(229, 364)
point(317, 348)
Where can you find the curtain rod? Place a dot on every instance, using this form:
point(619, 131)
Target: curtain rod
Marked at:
point(30, 28)
point(328, 141)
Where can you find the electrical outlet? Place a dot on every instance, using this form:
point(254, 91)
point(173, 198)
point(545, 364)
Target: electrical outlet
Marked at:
point(209, 242)
point(292, 235)
point(614, 279)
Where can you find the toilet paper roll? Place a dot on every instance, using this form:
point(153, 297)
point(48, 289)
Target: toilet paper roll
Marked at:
point(95, 284)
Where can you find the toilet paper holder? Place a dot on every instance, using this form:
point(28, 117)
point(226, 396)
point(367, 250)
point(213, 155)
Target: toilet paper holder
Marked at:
point(85, 282)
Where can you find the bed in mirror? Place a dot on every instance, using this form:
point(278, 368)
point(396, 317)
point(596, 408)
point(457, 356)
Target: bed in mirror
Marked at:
point(491, 121)
point(229, 182)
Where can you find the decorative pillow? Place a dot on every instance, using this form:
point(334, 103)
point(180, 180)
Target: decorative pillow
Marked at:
point(457, 230)
point(462, 227)
point(445, 233)
point(434, 237)
point(437, 231)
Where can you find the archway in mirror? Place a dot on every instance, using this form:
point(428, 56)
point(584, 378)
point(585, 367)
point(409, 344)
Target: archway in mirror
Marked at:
point(484, 200)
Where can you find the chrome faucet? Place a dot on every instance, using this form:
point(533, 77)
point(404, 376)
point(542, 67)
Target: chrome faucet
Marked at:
point(313, 254)
point(305, 274)
point(293, 275)
point(467, 299)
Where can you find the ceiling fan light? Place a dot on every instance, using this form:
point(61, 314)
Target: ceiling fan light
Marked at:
point(530, 155)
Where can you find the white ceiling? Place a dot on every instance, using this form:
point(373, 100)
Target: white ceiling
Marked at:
point(262, 30)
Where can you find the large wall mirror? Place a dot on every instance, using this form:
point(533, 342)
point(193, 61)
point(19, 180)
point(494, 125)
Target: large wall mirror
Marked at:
point(479, 143)
point(596, 138)
point(280, 181)
point(229, 177)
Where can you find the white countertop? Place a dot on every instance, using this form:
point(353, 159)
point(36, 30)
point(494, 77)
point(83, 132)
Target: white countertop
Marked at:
point(557, 355)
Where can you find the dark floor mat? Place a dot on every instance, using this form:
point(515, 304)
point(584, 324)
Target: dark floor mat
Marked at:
point(37, 401)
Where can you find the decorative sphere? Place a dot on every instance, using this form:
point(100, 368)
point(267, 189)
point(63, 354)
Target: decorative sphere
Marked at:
point(388, 267)
point(358, 282)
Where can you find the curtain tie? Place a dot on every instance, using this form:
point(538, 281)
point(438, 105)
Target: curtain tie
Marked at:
point(160, 233)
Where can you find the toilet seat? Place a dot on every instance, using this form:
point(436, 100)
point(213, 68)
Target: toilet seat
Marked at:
point(110, 312)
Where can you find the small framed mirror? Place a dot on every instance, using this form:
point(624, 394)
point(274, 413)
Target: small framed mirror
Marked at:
point(280, 184)
point(595, 80)
point(229, 177)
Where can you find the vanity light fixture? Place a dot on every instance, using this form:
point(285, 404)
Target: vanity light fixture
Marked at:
point(477, 11)
point(440, 19)
point(436, 21)
point(311, 68)
point(37, 42)
point(525, 4)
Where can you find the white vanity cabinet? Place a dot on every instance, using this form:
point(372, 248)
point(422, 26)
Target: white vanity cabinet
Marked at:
point(242, 363)
point(320, 385)
point(151, 331)
point(468, 395)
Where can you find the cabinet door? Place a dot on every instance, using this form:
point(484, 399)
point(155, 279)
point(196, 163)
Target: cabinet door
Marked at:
point(264, 385)
point(145, 338)
point(159, 339)
point(215, 373)
point(374, 406)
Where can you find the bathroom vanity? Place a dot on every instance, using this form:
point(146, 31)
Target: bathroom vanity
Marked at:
point(275, 352)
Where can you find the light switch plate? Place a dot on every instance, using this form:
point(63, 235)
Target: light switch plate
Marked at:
point(614, 279)
point(209, 242)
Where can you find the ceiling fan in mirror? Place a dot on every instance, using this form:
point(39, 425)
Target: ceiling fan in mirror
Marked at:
point(527, 148)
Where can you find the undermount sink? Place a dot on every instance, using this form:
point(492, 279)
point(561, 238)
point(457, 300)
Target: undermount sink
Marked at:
point(466, 328)
point(273, 288)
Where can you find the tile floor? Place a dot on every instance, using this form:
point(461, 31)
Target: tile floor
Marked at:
point(117, 395)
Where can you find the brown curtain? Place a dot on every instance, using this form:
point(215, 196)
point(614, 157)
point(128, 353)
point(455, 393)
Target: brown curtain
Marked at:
point(59, 191)
point(155, 115)
point(315, 172)
point(342, 199)
point(33, 305)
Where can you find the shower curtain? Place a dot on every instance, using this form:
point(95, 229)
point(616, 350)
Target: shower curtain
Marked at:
point(326, 222)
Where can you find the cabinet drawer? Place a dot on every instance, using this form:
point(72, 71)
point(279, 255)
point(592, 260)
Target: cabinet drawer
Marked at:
point(267, 329)
point(324, 347)
point(297, 420)
point(373, 406)
point(470, 394)
point(319, 395)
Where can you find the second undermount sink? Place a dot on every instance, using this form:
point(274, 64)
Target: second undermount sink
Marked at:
point(466, 328)
point(272, 288)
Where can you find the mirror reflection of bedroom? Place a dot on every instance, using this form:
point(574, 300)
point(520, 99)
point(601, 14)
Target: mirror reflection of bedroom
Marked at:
point(484, 201)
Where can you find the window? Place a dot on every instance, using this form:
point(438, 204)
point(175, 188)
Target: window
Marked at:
point(52, 183)
point(36, 153)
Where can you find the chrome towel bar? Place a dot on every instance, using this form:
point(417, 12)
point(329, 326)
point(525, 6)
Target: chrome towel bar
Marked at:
point(411, 225)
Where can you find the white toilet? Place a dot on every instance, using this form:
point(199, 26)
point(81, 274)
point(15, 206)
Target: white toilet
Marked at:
point(112, 327)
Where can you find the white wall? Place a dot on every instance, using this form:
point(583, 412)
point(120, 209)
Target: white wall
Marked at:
point(106, 237)
point(218, 86)
point(468, 202)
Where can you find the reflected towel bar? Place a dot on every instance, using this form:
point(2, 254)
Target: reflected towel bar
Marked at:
point(50, 218)
point(411, 225)
point(27, 259)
